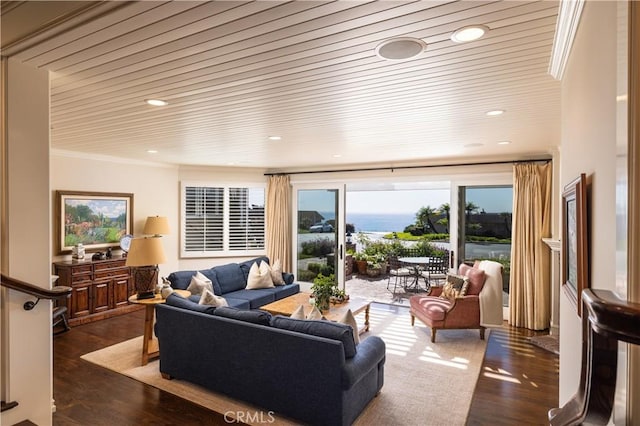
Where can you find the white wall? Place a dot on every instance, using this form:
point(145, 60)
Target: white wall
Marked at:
point(156, 191)
point(154, 188)
point(588, 145)
point(27, 334)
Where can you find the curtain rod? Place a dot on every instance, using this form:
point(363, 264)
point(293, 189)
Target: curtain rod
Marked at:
point(428, 166)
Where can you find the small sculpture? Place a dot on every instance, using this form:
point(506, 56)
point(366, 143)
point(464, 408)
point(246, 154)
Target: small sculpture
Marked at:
point(77, 252)
point(109, 254)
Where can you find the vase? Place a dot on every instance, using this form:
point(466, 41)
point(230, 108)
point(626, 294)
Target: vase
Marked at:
point(323, 303)
point(362, 266)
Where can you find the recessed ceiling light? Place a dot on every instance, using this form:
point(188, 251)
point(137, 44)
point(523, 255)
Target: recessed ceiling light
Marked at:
point(495, 112)
point(469, 33)
point(504, 142)
point(152, 151)
point(473, 145)
point(337, 155)
point(401, 48)
point(156, 102)
point(275, 138)
point(621, 98)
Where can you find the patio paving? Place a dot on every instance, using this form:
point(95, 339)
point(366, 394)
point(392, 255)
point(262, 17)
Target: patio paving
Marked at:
point(375, 289)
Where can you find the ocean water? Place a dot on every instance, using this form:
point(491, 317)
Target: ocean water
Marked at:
point(367, 222)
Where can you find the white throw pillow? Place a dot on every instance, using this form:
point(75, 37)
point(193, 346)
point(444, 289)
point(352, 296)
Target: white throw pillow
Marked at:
point(259, 276)
point(208, 298)
point(198, 285)
point(349, 319)
point(276, 273)
point(298, 313)
point(315, 314)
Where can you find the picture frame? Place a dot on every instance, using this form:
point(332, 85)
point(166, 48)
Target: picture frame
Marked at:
point(98, 220)
point(575, 241)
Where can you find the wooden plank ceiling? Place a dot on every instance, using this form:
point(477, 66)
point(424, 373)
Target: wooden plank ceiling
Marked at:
point(235, 73)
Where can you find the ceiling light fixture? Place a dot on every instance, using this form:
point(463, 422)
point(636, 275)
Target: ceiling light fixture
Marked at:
point(495, 112)
point(275, 138)
point(337, 155)
point(504, 142)
point(400, 48)
point(156, 102)
point(152, 151)
point(469, 33)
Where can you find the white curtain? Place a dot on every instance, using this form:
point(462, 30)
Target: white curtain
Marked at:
point(530, 289)
point(279, 220)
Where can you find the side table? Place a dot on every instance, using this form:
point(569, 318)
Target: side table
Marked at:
point(150, 349)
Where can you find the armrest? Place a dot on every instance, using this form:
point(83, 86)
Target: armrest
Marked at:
point(370, 352)
point(288, 277)
point(434, 291)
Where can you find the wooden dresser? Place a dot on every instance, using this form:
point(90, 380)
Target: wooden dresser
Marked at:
point(100, 288)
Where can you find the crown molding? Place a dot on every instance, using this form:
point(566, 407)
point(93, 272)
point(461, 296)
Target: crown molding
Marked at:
point(566, 27)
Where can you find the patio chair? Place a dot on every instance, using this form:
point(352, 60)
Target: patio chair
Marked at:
point(398, 273)
point(435, 271)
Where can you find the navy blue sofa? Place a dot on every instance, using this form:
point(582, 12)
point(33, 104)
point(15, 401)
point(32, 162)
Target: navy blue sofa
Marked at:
point(230, 280)
point(270, 362)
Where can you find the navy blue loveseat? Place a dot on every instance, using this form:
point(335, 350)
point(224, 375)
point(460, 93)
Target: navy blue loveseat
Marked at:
point(230, 280)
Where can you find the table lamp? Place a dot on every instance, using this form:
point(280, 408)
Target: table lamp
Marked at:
point(144, 256)
point(156, 226)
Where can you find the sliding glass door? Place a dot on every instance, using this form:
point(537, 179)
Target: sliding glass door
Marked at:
point(319, 232)
point(484, 226)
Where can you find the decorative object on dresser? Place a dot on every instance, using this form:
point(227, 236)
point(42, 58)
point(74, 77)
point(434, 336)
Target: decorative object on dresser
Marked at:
point(145, 255)
point(99, 289)
point(97, 220)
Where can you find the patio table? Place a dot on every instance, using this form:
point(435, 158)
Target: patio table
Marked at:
point(416, 264)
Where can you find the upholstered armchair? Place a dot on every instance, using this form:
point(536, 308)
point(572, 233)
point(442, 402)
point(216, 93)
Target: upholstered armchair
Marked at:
point(479, 308)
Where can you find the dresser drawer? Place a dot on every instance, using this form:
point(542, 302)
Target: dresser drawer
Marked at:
point(81, 269)
point(111, 273)
point(98, 266)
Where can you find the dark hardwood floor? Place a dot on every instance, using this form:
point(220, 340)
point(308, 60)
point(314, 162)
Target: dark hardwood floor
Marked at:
point(517, 385)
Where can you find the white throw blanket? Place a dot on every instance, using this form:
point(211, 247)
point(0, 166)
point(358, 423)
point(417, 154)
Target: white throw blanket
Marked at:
point(491, 294)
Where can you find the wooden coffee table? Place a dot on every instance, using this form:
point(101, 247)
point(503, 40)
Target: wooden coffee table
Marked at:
point(289, 304)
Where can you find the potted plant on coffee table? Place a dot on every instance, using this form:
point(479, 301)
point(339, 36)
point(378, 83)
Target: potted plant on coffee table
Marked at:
point(323, 288)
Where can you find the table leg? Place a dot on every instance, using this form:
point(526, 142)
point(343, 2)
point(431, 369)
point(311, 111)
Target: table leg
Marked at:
point(149, 345)
point(366, 318)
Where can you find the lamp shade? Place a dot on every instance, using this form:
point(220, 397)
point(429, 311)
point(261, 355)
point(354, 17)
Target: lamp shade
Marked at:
point(146, 251)
point(156, 225)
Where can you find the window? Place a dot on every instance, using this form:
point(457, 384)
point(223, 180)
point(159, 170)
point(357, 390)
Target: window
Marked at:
point(222, 220)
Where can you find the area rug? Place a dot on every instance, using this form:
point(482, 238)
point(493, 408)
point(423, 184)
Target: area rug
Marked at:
point(549, 342)
point(424, 384)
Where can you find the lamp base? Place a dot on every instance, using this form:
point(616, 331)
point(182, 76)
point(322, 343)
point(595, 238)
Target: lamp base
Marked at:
point(146, 295)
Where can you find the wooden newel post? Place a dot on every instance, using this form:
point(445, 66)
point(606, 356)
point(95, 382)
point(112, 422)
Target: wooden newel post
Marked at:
point(606, 319)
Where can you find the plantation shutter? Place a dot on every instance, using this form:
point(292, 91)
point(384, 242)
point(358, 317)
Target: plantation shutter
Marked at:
point(221, 220)
point(246, 219)
point(203, 219)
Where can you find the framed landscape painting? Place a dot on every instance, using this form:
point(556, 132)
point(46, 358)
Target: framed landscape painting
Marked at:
point(96, 219)
point(575, 243)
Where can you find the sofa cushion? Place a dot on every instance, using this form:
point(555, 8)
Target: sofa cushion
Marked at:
point(208, 298)
point(199, 283)
point(180, 302)
point(238, 303)
point(276, 273)
point(246, 265)
point(350, 320)
point(455, 286)
point(255, 316)
point(256, 298)
point(327, 329)
point(288, 277)
point(286, 290)
point(476, 277)
point(434, 307)
point(230, 277)
point(259, 276)
point(180, 280)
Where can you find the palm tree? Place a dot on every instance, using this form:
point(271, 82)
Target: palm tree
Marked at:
point(446, 209)
point(423, 217)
